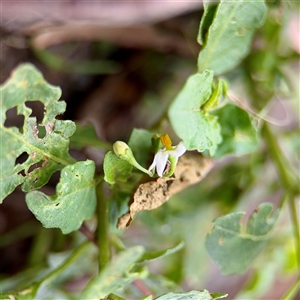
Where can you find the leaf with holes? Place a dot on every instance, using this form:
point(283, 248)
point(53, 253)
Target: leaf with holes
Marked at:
point(43, 154)
point(74, 202)
point(234, 249)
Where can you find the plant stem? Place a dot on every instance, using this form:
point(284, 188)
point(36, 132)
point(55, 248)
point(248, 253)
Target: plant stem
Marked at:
point(69, 261)
point(285, 171)
point(288, 180)
point(295, 221)
point(291, 293)
point(102, 229)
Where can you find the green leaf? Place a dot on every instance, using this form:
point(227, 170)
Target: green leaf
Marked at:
point(195, 295)
point(115, 276)
point(45, 155)
point(86, 136)
point(161, 253)
point(229, 37)
point(74, 202)
point(115, 168)
point(198, 129)
point(232, 248)
point(140, 144)
point(239, 137)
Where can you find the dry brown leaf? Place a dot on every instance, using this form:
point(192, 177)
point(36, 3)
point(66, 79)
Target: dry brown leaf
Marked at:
point(191, 168)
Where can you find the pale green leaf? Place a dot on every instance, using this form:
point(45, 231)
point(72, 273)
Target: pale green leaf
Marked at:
point(74, 202)
point(115, 276)
point(239, 137)
point(45, 154)
point(198, 129)
point(234, 249)
point(192, 295)
point(115, 168)
point(161, 253)
point(229, 36)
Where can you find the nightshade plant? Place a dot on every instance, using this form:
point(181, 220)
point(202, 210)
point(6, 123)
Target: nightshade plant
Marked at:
point(210, 122)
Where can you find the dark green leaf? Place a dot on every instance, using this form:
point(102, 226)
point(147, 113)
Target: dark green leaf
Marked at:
point(140, 144)
point(115, 168)
point(86, 136)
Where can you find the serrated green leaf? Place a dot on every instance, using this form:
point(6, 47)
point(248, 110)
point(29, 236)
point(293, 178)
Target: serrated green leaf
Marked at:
point(161, 253)
point(115, 168)
point(197, 128)
point(229, 36)
point(74, 202)
point(115, 276)
point(192, 295)
point(239, 137)
point(50, 152)
point(234, 249)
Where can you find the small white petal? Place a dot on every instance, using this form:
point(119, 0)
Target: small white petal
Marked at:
point(161, 161)
point(153, 165)
point(179, 150)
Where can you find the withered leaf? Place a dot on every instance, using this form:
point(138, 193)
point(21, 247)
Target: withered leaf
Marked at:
point(191, 168)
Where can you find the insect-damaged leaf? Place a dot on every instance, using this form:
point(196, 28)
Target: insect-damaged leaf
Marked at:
point(232, 248)
point(45, 155)
point(74, 202)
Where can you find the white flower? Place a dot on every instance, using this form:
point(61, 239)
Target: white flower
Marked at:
point(162, 156)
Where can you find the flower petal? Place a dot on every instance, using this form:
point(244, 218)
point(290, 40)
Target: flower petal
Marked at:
point(153, 165)
point(161, 161)
point(179, 150)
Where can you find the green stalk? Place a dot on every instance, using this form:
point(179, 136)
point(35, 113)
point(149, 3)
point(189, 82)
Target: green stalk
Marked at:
point(291, 293)
point(284, 169)
point(289, 183)
point(295, 222)
point(102, 229)
point(68, 262)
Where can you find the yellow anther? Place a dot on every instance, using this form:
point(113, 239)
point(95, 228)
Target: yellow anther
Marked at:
point(166, 141)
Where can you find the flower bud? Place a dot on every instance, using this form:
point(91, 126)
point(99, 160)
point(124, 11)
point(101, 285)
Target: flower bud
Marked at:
point(120, 148)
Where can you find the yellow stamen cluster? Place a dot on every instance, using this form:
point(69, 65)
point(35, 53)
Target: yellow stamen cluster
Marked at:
point(166, 141)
